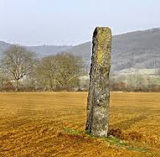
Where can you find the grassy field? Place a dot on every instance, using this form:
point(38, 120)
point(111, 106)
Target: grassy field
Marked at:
point(52, 124)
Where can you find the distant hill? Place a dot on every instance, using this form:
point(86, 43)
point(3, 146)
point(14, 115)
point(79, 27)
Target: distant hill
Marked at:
point(41, 51)
point(139, 49)
point(47, 50)
point(3, 46)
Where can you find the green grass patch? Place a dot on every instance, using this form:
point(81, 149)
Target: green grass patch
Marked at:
point(71, 131)
point(139, 149)
point(120, 143)
point(112, 140)
point(115, 141)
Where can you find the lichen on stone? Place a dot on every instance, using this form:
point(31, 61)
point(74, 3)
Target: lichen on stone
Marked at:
point(98, 96)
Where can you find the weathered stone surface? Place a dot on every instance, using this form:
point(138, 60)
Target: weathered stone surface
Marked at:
point(99, 94)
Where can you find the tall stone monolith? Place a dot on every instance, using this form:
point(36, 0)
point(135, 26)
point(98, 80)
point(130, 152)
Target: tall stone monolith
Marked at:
point(99, 94)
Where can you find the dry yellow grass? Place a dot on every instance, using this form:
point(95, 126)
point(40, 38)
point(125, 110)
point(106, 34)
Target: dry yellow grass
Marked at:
point(52, 124)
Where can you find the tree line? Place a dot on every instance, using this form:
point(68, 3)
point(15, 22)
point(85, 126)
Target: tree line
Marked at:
point(21, 69)
point(135, 83)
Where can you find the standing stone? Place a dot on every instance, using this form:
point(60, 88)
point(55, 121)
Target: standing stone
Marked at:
point(99, 93)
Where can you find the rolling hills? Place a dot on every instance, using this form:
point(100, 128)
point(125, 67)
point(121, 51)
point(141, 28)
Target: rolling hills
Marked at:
point(139, 49)
point(41, 51)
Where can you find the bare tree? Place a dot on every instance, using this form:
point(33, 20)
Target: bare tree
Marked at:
point(17, 63)
point(45, 72)
point(61, 71)
point(70, 69)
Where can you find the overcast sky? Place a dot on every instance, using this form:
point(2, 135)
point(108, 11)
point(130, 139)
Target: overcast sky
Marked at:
point(70, 22)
